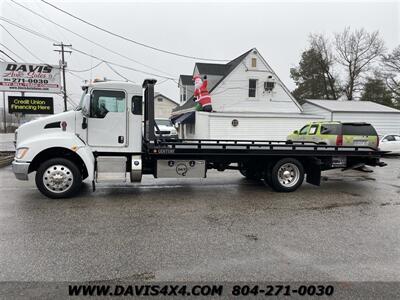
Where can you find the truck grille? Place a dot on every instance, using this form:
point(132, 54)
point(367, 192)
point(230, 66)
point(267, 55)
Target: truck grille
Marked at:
point(163, 132)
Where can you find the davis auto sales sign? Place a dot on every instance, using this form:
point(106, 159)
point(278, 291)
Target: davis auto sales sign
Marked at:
point(21, 77)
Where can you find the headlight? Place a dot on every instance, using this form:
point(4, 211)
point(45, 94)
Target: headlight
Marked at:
point(20, 153)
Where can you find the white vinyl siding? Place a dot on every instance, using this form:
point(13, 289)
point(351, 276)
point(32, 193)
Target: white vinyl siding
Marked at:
point(384, 123)
point(250, 127)
point(313, 109)
point(232, 94)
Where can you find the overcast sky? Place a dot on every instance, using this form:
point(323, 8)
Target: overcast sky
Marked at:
point(223, 30)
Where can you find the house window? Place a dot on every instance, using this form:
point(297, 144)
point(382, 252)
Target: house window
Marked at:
point(252, 88)
point(254, 62)
point(159, 99)
point(184, 94)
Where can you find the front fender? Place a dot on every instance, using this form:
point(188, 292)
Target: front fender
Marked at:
point(70, 141)
point(88, 158)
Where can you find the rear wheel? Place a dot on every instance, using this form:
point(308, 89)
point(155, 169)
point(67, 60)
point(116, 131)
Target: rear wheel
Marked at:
point(250, 173)
point(268, 174)
point(58, 178)
point(286, 175)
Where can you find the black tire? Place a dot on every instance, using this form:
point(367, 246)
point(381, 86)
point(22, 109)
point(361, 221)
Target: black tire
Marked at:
point(268, 174)
point(70, 182)
point(282, 182)
point(251, 174)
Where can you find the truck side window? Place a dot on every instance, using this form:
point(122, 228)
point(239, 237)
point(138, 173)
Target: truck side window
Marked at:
point(137, 105)
point(313, 129)
point(304, 130)
point(104, 102)
point(330, 129)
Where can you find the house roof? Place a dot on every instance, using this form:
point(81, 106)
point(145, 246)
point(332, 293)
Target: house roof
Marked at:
point(228, 68)
point(156, 94)
point(186, 79)
point(352, 106)
point(212, 69)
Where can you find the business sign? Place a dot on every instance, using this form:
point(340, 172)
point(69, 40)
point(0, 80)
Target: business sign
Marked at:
point(23, 77)
point(30, 105)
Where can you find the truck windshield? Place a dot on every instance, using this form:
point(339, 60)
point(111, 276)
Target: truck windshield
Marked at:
point(79, 107)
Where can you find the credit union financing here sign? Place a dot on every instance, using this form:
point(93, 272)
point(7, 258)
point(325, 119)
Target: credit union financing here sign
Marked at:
point(30, 105)
point(24, 77)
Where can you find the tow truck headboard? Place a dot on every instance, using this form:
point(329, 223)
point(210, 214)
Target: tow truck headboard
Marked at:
point(149, 123)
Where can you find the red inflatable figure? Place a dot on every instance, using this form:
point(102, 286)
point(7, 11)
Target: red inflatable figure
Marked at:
point(202, 97)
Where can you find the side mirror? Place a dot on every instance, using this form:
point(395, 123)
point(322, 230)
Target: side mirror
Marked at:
point(296, 132)
point(86, 105)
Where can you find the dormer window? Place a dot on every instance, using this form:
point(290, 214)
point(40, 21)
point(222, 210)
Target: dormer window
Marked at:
point(254, 62)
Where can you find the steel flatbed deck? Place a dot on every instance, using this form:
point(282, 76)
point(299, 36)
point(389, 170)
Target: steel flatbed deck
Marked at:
point(195, 147)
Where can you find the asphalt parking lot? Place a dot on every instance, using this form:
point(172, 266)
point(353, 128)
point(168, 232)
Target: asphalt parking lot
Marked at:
point(220, 228)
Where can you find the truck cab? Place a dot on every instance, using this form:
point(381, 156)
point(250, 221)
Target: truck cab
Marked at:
point(107, 122)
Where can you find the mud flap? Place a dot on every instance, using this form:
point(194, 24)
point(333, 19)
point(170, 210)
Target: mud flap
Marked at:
point(314, 175)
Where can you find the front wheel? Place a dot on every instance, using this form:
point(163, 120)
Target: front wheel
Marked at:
point(287, 175)
point(58, 178)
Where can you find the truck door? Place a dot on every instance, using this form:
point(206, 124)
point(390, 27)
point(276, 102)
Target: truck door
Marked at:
point(107, 124)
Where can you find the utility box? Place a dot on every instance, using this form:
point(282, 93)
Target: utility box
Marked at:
point(181, 168)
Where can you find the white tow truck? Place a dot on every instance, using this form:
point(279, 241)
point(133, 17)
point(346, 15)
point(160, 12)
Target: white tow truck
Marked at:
point(104, 140)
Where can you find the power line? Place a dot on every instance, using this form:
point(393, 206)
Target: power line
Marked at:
point(80, 51)
point(129, 39)
point(28, 29)
point(116, 72)
point(19, 57)
point(76, 75)
point(85, 38)
point(8, 56)
point(86, 70)
point(22, 45)
point(119, 65)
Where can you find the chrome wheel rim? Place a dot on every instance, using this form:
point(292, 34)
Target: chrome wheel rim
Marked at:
point(58, 179)
point(288, 174)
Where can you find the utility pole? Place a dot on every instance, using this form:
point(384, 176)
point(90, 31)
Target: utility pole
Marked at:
point(4, 112)
point(63, 65)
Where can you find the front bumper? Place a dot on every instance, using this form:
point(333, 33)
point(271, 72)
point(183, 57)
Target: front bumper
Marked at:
point(20, 169)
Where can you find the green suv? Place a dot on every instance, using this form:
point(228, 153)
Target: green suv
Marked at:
point(337, 134)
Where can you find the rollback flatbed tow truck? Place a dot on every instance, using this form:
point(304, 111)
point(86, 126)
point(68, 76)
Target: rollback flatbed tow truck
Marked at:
point(110, 138)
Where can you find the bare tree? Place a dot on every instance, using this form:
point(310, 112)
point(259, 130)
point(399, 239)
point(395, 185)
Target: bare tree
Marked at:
point(323, 48)
point(356, 51)
point(391, 63)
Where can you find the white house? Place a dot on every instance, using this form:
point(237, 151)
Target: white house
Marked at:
point(386, 120)
point(249, 102)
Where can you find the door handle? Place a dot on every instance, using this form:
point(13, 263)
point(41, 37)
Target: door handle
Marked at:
point(120, 139)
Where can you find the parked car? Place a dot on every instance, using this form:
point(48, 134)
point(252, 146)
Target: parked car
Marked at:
point(390, 142)
point(337, 133)
point(166, 128)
